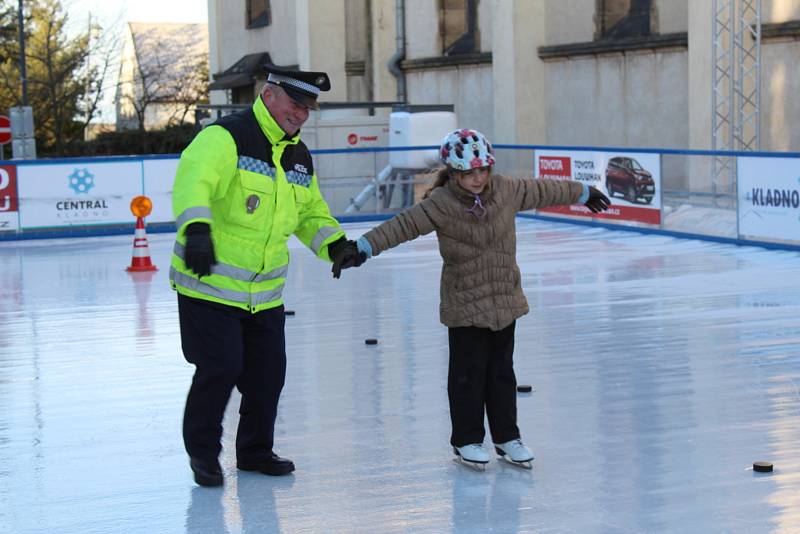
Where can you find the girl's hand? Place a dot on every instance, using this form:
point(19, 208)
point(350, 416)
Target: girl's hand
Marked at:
point(597, 200)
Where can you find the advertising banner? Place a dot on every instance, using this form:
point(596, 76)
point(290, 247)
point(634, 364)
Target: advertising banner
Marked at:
point(159, 175)
point(9, 203)
point(769, 198)
point(82, 193)
point(631, 181)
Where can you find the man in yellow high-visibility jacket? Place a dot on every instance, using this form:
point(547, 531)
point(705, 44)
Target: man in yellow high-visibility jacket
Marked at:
point(244, 185)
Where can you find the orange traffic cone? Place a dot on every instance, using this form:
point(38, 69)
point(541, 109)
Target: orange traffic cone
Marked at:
point(141, 252)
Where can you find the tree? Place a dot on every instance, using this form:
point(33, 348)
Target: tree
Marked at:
point(10, 88)
point(163, 75)
point(64, 85)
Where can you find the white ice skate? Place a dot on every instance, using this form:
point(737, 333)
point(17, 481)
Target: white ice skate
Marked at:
point(472, 456)
point(515, 453)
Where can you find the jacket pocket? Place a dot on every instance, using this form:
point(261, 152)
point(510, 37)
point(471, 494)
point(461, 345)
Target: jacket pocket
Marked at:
point(251, 198)
point(301, 195)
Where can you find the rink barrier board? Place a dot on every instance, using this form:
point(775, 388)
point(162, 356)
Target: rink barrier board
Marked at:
point(158, 226)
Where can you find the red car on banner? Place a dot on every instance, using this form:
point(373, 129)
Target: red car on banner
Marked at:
point(625, 176)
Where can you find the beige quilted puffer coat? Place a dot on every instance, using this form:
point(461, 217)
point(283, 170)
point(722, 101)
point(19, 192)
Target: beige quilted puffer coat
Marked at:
point(480, 284)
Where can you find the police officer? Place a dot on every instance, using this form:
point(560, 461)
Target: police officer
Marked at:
point(243, 186)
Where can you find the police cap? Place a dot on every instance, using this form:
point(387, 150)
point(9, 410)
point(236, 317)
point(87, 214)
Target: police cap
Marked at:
point(302, 86)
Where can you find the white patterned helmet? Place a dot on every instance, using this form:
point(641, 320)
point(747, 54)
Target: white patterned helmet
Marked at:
point(466, 149)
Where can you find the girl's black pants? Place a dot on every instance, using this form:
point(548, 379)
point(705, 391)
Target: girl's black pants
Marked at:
point(481, 374)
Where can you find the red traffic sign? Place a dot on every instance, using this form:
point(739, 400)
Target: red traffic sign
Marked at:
point(5, 130)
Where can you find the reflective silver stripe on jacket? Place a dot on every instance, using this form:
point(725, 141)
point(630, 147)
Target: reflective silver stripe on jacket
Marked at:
point(324, 233)
point(254, 299)
point(267, 296)
point(237, 273)
point(280, 272)
point(198, 212)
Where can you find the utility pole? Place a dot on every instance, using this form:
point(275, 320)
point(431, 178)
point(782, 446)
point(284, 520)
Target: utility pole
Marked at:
point(22, 73)
point(23, 142)
point(87, 87)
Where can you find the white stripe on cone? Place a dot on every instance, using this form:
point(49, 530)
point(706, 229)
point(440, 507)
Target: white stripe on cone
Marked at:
point(140, 260)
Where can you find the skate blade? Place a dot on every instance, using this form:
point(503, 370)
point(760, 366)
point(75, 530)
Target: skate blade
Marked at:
point(523, 465)
point(475, 466)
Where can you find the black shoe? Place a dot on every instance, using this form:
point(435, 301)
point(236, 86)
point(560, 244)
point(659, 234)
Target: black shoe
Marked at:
point(206, 473)
point(273, 465)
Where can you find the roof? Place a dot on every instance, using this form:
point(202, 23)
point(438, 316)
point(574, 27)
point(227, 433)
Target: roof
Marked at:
point(243, 72)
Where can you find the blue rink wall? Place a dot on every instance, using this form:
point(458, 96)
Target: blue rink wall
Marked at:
point(747, 198)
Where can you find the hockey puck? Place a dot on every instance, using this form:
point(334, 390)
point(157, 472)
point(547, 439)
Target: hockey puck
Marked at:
point(371, 341)
point(288, 312)
point(762, 467)
point(524, 388)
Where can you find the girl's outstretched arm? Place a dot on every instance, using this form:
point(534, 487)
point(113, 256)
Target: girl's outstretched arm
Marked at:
point(530, 193)
point(537, 193)
point(419, 219)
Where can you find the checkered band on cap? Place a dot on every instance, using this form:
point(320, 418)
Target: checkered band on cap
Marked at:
point(303, 86)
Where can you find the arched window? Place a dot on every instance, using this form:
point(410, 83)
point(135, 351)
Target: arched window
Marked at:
point(257, 13)
point(618, 19)
point(458, 23)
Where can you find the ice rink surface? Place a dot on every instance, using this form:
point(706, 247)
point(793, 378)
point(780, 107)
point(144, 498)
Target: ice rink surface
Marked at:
point(662, 369)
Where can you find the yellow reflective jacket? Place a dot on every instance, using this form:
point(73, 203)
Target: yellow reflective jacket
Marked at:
point(255, 187)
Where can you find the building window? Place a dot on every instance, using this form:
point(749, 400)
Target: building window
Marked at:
point(257, 13)
point(618, 19)
point(243, 94)
point(458, 22)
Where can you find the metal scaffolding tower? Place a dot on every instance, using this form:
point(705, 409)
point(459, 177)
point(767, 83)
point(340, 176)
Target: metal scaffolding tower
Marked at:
point(736, 86)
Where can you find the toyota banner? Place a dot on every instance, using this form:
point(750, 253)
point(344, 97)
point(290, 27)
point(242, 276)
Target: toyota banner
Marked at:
point(631, 180)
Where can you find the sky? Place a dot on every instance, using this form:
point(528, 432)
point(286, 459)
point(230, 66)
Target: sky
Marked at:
point(112, 15)
point(107, 12)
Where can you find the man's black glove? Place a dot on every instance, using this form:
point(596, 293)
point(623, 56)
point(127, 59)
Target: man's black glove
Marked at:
point(344, 254)
point(198, 254)
point(597, 200)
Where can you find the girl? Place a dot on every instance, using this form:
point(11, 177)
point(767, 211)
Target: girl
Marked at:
point(473, 213)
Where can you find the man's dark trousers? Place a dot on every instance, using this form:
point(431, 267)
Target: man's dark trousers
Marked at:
point(231, 347)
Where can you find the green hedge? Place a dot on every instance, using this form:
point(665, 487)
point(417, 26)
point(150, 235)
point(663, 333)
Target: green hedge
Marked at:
point(171, 140)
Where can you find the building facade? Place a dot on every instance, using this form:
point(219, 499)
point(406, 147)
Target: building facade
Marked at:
point(634, 73)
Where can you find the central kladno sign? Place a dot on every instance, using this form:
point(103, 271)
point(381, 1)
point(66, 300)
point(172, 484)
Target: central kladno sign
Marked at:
point(84, 193)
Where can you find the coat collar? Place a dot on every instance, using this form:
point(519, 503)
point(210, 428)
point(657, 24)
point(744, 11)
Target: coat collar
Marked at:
point(271, 129)
point(468, 197)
